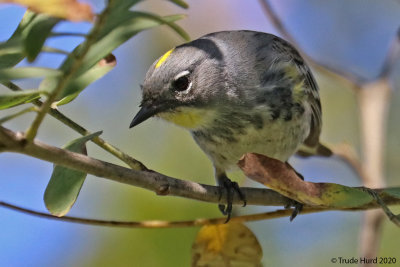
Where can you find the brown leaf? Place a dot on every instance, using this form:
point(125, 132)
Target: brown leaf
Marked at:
point(231, 244)
point(109, 60)
point(282, 178)
point(65, 9)
point(277, 175)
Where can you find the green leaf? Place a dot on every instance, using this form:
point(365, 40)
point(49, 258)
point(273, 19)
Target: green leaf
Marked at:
point(12, 99)
point(123, 6)
point(15, 42)
point(169, 20)
point(25, 23)
point(180, 3)
point(18, 40)
point(65, 184)
point(120, 29)
point(10, 47)
point(77, 85)
point(130, 24)
point(11, 52)
point(37, 35)
point(50, 49)
point(26, 72)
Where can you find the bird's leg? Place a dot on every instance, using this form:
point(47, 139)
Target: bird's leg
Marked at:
point(225, 183)
point(297, 205)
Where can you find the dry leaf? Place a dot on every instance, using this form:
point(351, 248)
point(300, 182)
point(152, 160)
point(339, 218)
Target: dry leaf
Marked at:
point(65, 9)
point(109, 60)
point(282, 178)
point(276, 175)
point(231, 244)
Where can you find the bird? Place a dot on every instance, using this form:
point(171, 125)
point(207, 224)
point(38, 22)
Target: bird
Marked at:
point(237, 92)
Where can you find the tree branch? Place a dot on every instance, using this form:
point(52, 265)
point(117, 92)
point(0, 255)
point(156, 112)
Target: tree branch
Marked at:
point(328, 70)
point(131, 162)
point(157, 182)
point(374, 104)
point(151, 180)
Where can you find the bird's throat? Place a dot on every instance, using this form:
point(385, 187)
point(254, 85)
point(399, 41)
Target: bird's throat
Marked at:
point(187, 117)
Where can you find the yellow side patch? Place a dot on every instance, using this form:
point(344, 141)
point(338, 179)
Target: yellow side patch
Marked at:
point(190, 118)
point(298, 91)
point(164, 58)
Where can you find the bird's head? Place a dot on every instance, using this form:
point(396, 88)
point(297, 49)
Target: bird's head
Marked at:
point(185, 85)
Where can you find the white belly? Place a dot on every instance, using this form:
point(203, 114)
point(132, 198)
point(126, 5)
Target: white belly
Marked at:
point(277, 139)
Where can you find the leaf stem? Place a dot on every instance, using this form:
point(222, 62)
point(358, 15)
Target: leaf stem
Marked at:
point(62, 34)
point(68, 74)
point(17, 114)
point(131, 162)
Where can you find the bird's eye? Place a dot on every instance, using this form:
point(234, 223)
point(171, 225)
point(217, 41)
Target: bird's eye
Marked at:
point(182, 82)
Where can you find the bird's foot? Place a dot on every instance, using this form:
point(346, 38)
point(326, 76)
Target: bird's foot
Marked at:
point(293, 203)
point(231, 187)
point(297, 208)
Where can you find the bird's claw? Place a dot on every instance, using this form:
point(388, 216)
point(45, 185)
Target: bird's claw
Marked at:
point(230, 187)
point(297, 208)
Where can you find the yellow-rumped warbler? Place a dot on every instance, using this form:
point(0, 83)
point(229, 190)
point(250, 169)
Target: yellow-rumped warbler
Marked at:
point(236, 92)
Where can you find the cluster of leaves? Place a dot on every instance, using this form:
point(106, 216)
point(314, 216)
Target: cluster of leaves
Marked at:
point(88, 62)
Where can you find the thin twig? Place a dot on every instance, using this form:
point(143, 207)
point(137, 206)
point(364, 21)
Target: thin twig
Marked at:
point(68, 74)
point(349, 156)
point(158, 223)
point(165, 224)
point(64, 34)
point(131, 162)
point(17, 114)
point(395, 219)
point(49, 49)
point(392, 56)
point(326, 69)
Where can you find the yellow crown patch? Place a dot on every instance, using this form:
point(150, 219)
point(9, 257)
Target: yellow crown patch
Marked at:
point(164, 58)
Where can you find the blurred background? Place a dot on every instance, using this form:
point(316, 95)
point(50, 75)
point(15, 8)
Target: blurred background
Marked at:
point(350, 35)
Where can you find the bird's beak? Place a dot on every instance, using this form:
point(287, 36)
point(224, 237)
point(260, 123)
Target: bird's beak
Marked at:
point(144, 113)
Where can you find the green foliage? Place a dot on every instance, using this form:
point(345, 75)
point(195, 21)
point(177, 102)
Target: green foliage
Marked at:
point(27, 39)
point(88, 62)
point(8, 74)
point(77, 85)
point(126, 25)
point(65, 184)
point(37, 35)
point(12, 99)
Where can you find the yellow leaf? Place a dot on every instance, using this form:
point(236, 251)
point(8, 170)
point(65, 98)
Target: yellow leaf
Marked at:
point(231, 244)
point(65, 9)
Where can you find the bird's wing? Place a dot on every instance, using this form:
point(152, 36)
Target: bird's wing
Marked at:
point(310, 91)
